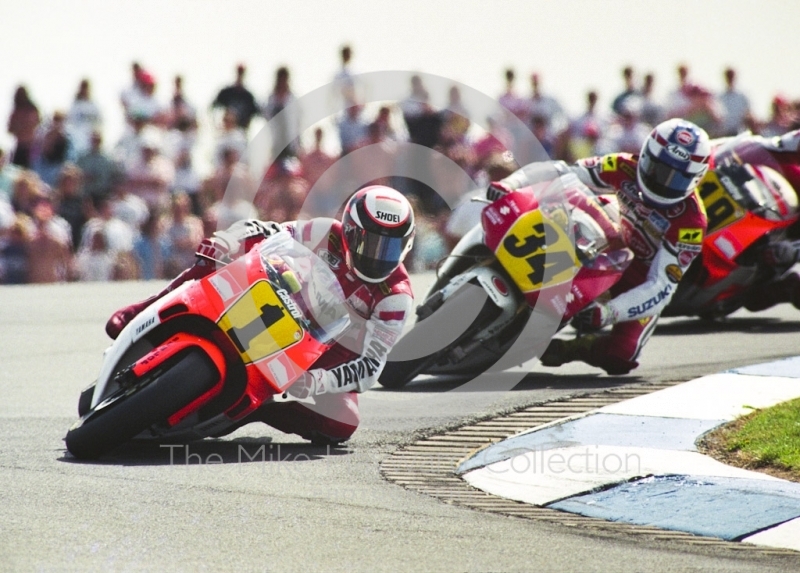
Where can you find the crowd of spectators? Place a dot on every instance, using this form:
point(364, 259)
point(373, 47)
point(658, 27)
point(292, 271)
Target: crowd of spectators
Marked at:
point(72, 208)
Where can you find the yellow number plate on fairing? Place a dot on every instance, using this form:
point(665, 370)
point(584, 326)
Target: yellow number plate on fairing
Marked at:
point(722, 209)
point(259, 323)
point(537, 252)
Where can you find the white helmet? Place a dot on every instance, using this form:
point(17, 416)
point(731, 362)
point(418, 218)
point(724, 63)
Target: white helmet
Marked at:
point(672, 162)
point(378, 225)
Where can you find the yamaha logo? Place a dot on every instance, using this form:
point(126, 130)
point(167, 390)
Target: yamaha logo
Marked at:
point(388, 217)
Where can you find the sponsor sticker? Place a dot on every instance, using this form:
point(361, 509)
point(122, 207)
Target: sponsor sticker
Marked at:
point(688, 247)
point(692, 236)
point(678, 152)
point(330, 259)
point(609, 163)
point(685, 258)
point(674, 273)
point(685, 137)
point(676, 210)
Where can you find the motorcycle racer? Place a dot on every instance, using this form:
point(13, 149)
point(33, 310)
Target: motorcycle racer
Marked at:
point(781, 153)
point(663, 223)
point(365, 250)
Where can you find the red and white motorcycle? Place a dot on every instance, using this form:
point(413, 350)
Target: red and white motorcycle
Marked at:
point(204, 357)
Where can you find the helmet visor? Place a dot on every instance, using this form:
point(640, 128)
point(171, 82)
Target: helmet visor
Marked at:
point(664, 180)
point(375, 256)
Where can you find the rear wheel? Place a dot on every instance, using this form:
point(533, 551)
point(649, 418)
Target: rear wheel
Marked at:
point(130, 411)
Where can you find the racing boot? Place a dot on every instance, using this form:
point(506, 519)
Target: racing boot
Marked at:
point(123, 316)
point(765, 296)
point(561, 352)
point(590, 349)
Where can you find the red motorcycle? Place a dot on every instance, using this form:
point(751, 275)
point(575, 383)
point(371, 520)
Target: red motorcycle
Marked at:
point(204, 357)
point(749, 206)
point(552, 247)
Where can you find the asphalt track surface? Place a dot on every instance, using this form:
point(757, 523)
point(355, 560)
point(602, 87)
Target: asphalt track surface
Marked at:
point(295, 507)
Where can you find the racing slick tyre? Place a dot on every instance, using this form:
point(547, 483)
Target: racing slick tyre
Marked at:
point(128, 412)
point(397, 374)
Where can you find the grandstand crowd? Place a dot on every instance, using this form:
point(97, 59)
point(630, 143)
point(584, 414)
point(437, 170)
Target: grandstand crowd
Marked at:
point(76, 207)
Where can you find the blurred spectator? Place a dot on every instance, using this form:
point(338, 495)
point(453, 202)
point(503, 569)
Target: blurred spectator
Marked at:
point(8, 176)
point(51, 245)
point(180, 114)
point(514, 103)
point(344, 80)
point(238, 98)
point(352, 128)
point(383, 123)
point(15, 251)
point(678, 99)
point(228, 194)
point(376, 164)
point(314, 164)
point(149, 250)
point(455, 116)
point(83, 119)
point(496, 140)
point(652, 111)
point(579, 140)
point(22, 124)
point(628, 133)
point(100, 172)
point(147, 106)
point(117, 238)
point(734, 105)
point(547, 108)
point(181, 122)
point(187, 180)
point(183, 233)
point(54, 150)
point(421, 119)
point(96, 262)
point(129, 147)
point(627, 92)
point(128, 208)
point(285, 128)
point(71, 204)
point(28, 189)
point(131, 95)
point(230, 137)
point(151, 176)
point(782, 118)
point(282, 192)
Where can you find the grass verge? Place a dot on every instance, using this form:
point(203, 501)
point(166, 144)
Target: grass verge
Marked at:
point(767, 440)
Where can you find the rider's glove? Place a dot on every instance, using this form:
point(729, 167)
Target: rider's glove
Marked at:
point(782, 253)
point(497, 189)
point(226, 245)
point(593, 317)
point(311, 383)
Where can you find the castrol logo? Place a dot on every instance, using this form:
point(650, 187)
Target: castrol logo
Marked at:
point(685, 137)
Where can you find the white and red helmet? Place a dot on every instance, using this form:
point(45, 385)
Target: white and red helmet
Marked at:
point(378, 227)
point(672, 162)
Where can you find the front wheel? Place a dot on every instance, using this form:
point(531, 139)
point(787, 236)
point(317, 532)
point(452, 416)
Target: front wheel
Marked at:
point(124, 415)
